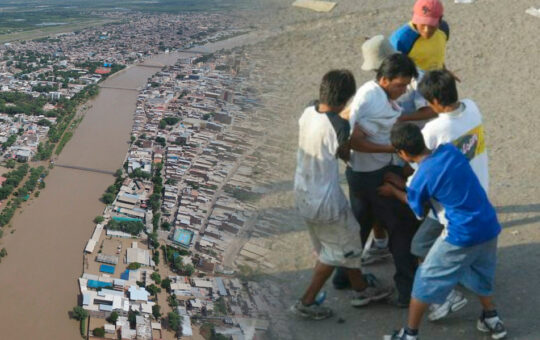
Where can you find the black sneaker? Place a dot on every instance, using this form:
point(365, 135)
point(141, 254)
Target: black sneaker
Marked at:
point(401, 335)
point(492, 325)
point(313, 312)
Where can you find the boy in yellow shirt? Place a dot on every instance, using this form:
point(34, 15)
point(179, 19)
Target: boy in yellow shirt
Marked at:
point(424, 38)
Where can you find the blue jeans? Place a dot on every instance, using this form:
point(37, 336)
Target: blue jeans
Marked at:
point(446, 265)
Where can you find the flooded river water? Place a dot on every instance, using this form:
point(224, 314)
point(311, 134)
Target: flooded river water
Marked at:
point(38, 279)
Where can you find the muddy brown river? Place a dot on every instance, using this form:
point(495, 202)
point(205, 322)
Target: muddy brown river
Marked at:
point(38, 278)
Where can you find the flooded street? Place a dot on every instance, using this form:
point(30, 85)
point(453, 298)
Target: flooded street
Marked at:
point(38, 279)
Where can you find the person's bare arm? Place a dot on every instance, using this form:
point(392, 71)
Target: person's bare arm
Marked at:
point(390, 190)
point(395, 180)
point(358, 142)
point(423, 113)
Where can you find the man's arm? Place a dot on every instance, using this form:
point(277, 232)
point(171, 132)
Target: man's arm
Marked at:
point(396, 180)
point(358, 142)
point(390, 190)
point(423, 113)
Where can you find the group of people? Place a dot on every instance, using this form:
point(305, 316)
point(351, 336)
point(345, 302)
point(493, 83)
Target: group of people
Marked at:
point(417, 172)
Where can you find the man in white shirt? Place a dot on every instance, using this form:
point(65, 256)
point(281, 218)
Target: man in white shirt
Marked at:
point(374, 111)
point(413, 108)
point(323, 137)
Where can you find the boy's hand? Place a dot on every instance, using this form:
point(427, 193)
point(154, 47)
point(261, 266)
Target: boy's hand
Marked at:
point(346, 113)
point(386, 190)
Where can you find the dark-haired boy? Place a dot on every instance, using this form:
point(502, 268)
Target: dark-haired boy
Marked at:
point(459, 123)
point(466, 252)
point(323, 137)
point(375, 111)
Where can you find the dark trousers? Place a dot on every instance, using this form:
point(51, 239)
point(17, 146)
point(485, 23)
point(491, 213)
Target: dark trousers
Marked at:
point(396, 217)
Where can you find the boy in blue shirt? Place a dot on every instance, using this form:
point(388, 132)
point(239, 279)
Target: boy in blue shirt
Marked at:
point(466, 251)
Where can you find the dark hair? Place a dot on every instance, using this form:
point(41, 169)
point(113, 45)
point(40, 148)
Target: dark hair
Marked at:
point(440, 85)
point(397, 65)
point(407, 137)
point(337, 87)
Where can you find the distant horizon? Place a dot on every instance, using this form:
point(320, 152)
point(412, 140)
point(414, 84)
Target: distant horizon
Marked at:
point(41, 18)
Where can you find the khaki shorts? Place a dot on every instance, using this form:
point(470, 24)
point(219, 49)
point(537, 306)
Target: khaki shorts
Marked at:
point(337, 244)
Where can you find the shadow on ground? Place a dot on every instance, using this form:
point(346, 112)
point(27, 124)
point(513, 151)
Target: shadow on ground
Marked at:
point(516, 296)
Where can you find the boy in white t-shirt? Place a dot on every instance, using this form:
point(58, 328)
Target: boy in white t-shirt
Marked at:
point(323, 137)
point(459, 123)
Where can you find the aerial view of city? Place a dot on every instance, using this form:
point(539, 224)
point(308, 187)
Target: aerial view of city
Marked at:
point(167, 170)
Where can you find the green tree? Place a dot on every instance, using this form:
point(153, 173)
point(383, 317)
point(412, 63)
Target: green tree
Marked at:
point(173, 302)
point(118, 173)
point(79, 313)
point(155, 220)
point(155, 257)
point(113, 317)
point(156, 311)
point(99, 219)
point(174, 321)
point(134, 266)
point(161, 140)
point(188, 270)
point(156, 277)
point(132, 318)
point(131, 227)
point(10, 164)
point(166, 284)
point(108, 198)
point(99, 332)
point(166, 226)
point(171, 181)
point(153, 289)
point(153, 240)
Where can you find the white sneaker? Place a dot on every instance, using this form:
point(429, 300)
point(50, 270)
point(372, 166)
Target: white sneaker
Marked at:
point(454, 302)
